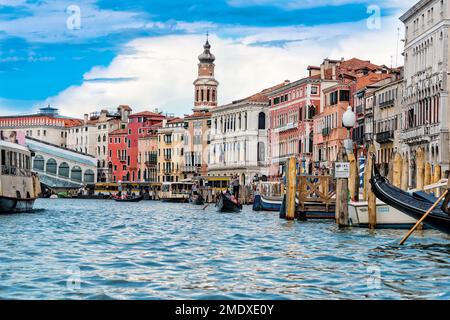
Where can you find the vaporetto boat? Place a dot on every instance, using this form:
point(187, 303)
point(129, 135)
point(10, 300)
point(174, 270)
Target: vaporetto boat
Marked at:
point(19, 187)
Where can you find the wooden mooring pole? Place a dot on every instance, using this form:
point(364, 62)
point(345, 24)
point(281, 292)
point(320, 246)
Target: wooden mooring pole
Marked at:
point(420, 166)
point(405, 174)
point(437, 178)
point(427, 178)
point(397, 174)
point(341, 213)
point(291, 189)
point(371, 199)
point(353, 181)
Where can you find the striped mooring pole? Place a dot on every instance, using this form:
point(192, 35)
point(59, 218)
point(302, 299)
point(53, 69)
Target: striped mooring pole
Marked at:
point(362, 162)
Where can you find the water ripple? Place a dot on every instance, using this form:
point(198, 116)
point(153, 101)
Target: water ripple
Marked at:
point(73, 249)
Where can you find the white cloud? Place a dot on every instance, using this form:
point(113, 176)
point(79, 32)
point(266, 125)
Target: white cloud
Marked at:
point(303, 4)
point(159, 71)
point(48, 23)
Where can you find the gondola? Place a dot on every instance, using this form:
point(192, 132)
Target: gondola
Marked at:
point(225, 204)
point(132, 199)
point(407, 203)
point(197, 199)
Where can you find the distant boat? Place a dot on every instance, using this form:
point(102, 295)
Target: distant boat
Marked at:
point(225, 204)
point(176, 191)
point(409, 204)
point(131, 199)
point(19, 188)
point(197, 199)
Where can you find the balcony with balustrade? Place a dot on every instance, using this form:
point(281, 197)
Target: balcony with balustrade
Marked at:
point(190, 169)
point(385, 136)
point(359, 110)
point(386, 104)
point(286, 127)
point(326, 132)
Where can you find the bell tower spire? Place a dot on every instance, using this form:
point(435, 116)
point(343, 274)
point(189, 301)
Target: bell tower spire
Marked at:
point(205, 84)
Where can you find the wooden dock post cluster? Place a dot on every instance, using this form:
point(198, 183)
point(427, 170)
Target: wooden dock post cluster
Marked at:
point(425, 175)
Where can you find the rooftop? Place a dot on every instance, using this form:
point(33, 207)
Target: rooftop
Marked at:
point(370, 79)
point(148, 114)
point(119, 132)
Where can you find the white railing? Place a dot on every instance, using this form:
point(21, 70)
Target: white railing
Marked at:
point(288, 126)
point(435, 129)
point(413, 133)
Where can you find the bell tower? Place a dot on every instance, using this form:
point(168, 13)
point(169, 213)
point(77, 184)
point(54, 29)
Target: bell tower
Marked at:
point(206, 85)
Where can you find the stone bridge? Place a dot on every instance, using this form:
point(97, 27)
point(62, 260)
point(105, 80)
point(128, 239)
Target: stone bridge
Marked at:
point(61, 168)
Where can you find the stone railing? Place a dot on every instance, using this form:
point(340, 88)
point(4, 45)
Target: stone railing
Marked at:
point(288, 126)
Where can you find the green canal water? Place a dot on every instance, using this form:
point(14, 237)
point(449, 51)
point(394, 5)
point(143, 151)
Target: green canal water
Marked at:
point(89, 249)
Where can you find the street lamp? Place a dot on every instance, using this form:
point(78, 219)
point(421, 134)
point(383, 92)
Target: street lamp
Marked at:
point(348, 121)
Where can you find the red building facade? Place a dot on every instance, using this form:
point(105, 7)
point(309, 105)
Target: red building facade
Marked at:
point(292, 109)
point(124, 146)
point(118, 155)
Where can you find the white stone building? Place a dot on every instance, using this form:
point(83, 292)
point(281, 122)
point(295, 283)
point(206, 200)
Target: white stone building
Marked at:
point(425, 115)
point(239, 138)
point(387, 100)
point(46, 125)
point(92, 135)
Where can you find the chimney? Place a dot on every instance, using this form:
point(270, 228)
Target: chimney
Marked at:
point(86, 118)
point(333, 70)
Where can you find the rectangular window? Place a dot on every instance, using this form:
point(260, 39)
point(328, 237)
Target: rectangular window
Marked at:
point(344, 95)
point(333, 98)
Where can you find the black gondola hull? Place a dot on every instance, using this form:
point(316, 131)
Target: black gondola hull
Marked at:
point(136, 199)
point(197, 200)
point(408, 204)
point(226, 205)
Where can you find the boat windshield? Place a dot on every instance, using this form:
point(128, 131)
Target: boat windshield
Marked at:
point(15, 163)
point(181, 188)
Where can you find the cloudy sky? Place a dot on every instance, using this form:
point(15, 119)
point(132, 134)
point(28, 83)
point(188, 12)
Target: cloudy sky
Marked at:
point(85, 55)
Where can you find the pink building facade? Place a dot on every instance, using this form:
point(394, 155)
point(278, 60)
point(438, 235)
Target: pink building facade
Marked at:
point(292, 109)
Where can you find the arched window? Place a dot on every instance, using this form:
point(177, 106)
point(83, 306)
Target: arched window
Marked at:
point(262, 121)
point(207, 95)
point(76, 174)
point(99, 139)
point(89, 176)
point(64, 170)
point(38, 163)
point(104, 138)
point(213, 95)
point(261, 151)
point(51, 166)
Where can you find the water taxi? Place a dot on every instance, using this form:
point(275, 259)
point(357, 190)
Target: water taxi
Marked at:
point(268, 196)
point(387, 216)
point(19, 188)
point(176, 191)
